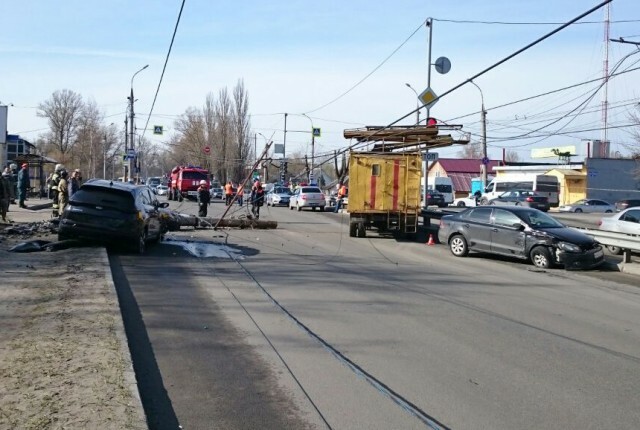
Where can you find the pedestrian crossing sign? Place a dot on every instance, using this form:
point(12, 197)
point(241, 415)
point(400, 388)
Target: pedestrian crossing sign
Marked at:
point(157, 129)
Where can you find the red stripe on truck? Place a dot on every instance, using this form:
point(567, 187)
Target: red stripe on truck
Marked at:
point(396, 184)
point(372, 195)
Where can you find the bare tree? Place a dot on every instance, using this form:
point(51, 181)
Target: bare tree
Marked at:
point(63, 111)
point(241, 130)
point(512, 156)
point(88, 145)
point(224, 133)
point(471, 151)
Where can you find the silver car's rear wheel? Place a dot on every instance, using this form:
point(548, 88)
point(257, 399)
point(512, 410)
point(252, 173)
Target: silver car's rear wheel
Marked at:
point(458, 246)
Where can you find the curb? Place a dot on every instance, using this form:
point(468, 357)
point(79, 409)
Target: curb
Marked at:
point(139, 418)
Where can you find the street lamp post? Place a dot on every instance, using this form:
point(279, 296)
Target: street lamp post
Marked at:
point(483, 117)
point(417, 103)
point(131, 116)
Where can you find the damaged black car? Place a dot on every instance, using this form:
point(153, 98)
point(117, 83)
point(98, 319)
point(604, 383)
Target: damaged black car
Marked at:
point(113, 213)
point(520, 232)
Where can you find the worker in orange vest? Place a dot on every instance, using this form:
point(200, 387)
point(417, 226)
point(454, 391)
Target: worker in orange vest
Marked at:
point(228, 193)
point(342, 192)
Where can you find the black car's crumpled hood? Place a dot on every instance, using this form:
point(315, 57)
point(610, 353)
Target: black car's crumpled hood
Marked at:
point(570, 235)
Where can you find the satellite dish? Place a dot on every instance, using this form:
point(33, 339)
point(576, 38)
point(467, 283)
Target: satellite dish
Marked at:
point(443, 65)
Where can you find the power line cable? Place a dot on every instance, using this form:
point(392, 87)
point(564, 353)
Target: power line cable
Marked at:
point(369, 74)
point(463, 21)
point(175, 30)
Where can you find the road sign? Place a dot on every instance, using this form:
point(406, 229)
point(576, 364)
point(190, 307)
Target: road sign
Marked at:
point(485, 160)
point(428, 97)
point(157, 129)
point(430, 156)
point(316, 132)
point(206, 149)
point(443, 65)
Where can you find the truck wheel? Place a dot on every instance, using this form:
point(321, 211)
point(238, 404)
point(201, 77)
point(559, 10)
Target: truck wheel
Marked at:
point(361, 230)
point(353, 229)
point(180, 198)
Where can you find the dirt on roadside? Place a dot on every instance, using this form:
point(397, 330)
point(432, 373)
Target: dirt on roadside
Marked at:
point(63, 355)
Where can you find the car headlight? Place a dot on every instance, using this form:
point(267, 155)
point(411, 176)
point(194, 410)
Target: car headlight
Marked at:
point(569, 247)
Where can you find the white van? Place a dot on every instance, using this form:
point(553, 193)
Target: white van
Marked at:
point(442, 184)
point(545, 185)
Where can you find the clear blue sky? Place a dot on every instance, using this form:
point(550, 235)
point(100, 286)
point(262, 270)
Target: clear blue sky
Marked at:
point(296, 56)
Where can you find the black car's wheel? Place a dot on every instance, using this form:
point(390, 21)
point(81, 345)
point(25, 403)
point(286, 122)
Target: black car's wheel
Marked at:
point(578, 211)
point(458, 246)
point(541, 257)
point(615, 250)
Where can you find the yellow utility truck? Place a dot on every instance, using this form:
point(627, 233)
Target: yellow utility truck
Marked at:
point(384, 192)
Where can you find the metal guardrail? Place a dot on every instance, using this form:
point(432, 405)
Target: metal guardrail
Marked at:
point(624, 241)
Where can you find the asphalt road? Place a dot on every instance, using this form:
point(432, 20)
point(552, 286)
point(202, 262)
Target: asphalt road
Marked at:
point(314, 329)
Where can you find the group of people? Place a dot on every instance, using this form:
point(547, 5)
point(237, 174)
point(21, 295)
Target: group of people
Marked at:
point(62, 187)
point(256, 199)
point(15, 185)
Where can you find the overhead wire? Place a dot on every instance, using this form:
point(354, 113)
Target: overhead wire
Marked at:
point(368, 74)
point(164, 68)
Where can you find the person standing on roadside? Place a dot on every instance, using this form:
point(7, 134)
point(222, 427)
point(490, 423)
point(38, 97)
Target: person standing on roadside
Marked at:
point(24, 185)
point(342, 192)
point(257, 200)
point(240, 193)
point(63, 190)
point(75, 182)
point(5, 195)
point(14, 182)
point(204, 197)
point(53, 187)
point(228, 193)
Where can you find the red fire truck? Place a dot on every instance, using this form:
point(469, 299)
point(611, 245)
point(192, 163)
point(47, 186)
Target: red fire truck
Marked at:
point(185, 181)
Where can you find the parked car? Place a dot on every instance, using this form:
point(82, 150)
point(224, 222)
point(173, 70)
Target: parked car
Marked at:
point(469, 201)
point(436, 198)
point(589, 206)
point(307, 197)
point(520, 232)
point(161, 190)
point(521, 198)
point(626, 203)
point(216, 193)
point(278, 196)
point(116, 213)
point(627, 221)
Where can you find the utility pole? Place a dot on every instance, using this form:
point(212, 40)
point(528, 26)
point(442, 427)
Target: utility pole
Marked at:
point(429, 24)
point(131, 161)
point(483, 118)
point(126, 147)
point(284, 141)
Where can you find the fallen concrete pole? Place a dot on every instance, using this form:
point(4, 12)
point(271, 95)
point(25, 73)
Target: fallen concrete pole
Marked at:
point(174, 220)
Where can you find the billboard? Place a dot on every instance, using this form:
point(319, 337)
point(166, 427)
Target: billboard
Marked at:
point(552, 152)
point(3, 124)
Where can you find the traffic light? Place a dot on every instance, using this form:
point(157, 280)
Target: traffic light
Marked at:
point(282, 177)
point(285, 166)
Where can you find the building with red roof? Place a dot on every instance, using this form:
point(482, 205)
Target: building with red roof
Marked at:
point(461, 171)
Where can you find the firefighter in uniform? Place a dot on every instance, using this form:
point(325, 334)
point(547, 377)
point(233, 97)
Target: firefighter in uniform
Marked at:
point(53, 187)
